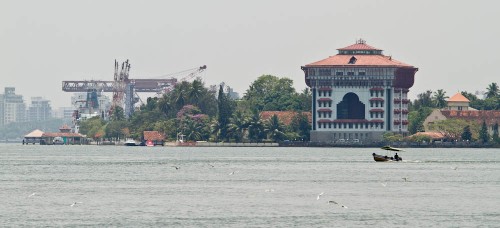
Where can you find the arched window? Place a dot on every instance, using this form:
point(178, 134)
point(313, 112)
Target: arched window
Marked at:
point(350, 107)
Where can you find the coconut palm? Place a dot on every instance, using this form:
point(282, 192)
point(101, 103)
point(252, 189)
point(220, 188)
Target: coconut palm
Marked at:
point(237, 125)
point(274, 128)
point(196, 91)
point(439, 98)
point(492, 90)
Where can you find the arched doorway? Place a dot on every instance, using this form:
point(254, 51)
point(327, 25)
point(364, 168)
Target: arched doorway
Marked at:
point(350, 107)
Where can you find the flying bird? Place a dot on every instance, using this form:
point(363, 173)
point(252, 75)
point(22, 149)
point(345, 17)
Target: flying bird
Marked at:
point(176, 167)
point(319, 195)
point(454, 168)
point(383, 184)
point(74, 204)
point(405, 178)
point(33, 194)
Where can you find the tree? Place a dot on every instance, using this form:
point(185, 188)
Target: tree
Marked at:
point(451, 128)
point(416, 119)
point(300, 125)
point(423, 100)
point(496, 138)
point(469, 96)
point(274, 129)
point(483, 133)
point(492, 90)
point(270, 93)
point(117, 114)
point(467, 134)
point(225, 108)
point(238, 123)
point(439, 98)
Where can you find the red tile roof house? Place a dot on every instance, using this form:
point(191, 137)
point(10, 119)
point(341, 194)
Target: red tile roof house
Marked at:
point(156, 137)
point(49, 138)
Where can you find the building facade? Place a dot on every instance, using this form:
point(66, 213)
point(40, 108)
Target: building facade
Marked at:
point(358, 95)
point(12, 107)
point(39, 109)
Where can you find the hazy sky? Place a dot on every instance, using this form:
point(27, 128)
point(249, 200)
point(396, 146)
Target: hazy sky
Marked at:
point(455, 44)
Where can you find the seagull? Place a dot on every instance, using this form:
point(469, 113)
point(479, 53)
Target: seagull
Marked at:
point(32, 194)
point(333, 202)
point(454, 168)
point(231, 173)
point(319, 195)
point(383, 184)
point(73, 204)
point(211, 165)
point(176, 167)
point(405, 178)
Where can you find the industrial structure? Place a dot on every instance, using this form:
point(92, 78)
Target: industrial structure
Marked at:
point(125, 89)
point(358, 95)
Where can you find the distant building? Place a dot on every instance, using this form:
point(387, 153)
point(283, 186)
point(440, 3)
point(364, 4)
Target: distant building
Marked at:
point(12, 107)
point(63, 113)
point(458, 102)
point(358, 94)
point(39, 109)
point(458, 108)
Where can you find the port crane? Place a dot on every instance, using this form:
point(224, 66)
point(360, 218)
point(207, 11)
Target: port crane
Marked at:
point(125, 89)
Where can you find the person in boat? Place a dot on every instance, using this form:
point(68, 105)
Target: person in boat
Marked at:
point(397, 157)
point(373, 154)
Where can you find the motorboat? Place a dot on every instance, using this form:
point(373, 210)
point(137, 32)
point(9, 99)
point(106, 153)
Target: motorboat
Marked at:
point(386, 158)
point(130, 142)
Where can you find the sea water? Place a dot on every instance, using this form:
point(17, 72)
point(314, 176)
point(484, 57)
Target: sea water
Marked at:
point(118, 186)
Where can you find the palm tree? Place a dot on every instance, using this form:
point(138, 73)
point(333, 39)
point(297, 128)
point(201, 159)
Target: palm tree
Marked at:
point(440, 98)
point(196, 91)
point(274, 128)
point(492, 90)
point(255, 128)
point(237, 125)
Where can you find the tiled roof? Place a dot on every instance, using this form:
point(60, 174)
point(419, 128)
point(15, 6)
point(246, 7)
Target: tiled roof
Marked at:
point(359, 46)
point(361, 60)
point(431, 134)
point(458, 98)
point(62, 134)
point(34, 134)
point(153, 135)
point(489, 116)
point(284, 116)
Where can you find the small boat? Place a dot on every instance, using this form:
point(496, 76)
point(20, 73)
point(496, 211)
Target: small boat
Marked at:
point(385, 158)
point(130, 142)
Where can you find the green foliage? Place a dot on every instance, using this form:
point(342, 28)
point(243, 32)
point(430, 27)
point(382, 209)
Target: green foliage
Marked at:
point(226, 108)
point(270, 93)
point(300, 125)
point(452, 128)
point(115, 129)
point(117, 114)
point(392, 137)
point(496, 138)
point(416, 119)
point(467, 134)
point(439, 98)
point(492, 90)
point(420, 138)
point(423, 100)
point(274, 129)
point(483, 133)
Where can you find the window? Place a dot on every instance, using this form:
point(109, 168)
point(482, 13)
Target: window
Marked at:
point(352, 60)
point(350, 73)
point(362, 73)
point(339, 73)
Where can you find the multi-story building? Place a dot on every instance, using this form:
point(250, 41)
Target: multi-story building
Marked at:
point(12, 107)
point(358, 94)
point(39, 109)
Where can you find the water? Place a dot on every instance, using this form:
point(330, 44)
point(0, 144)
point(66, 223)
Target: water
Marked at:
point(246, 187)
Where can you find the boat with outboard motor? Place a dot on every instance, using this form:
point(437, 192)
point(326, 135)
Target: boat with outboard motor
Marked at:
point(385, 158)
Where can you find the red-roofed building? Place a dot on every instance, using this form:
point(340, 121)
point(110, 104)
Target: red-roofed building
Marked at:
point(363, 88)
point(491, 117)
point(155, 137)
point(458, 102)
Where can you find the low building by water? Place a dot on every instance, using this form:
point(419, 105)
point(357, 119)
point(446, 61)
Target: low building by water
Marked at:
point(63, 137)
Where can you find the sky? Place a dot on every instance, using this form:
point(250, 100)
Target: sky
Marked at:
point(455, 44)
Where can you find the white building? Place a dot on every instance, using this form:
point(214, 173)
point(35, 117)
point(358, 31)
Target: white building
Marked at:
point(12, 107)
point(39, 109)
point(358, 95)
